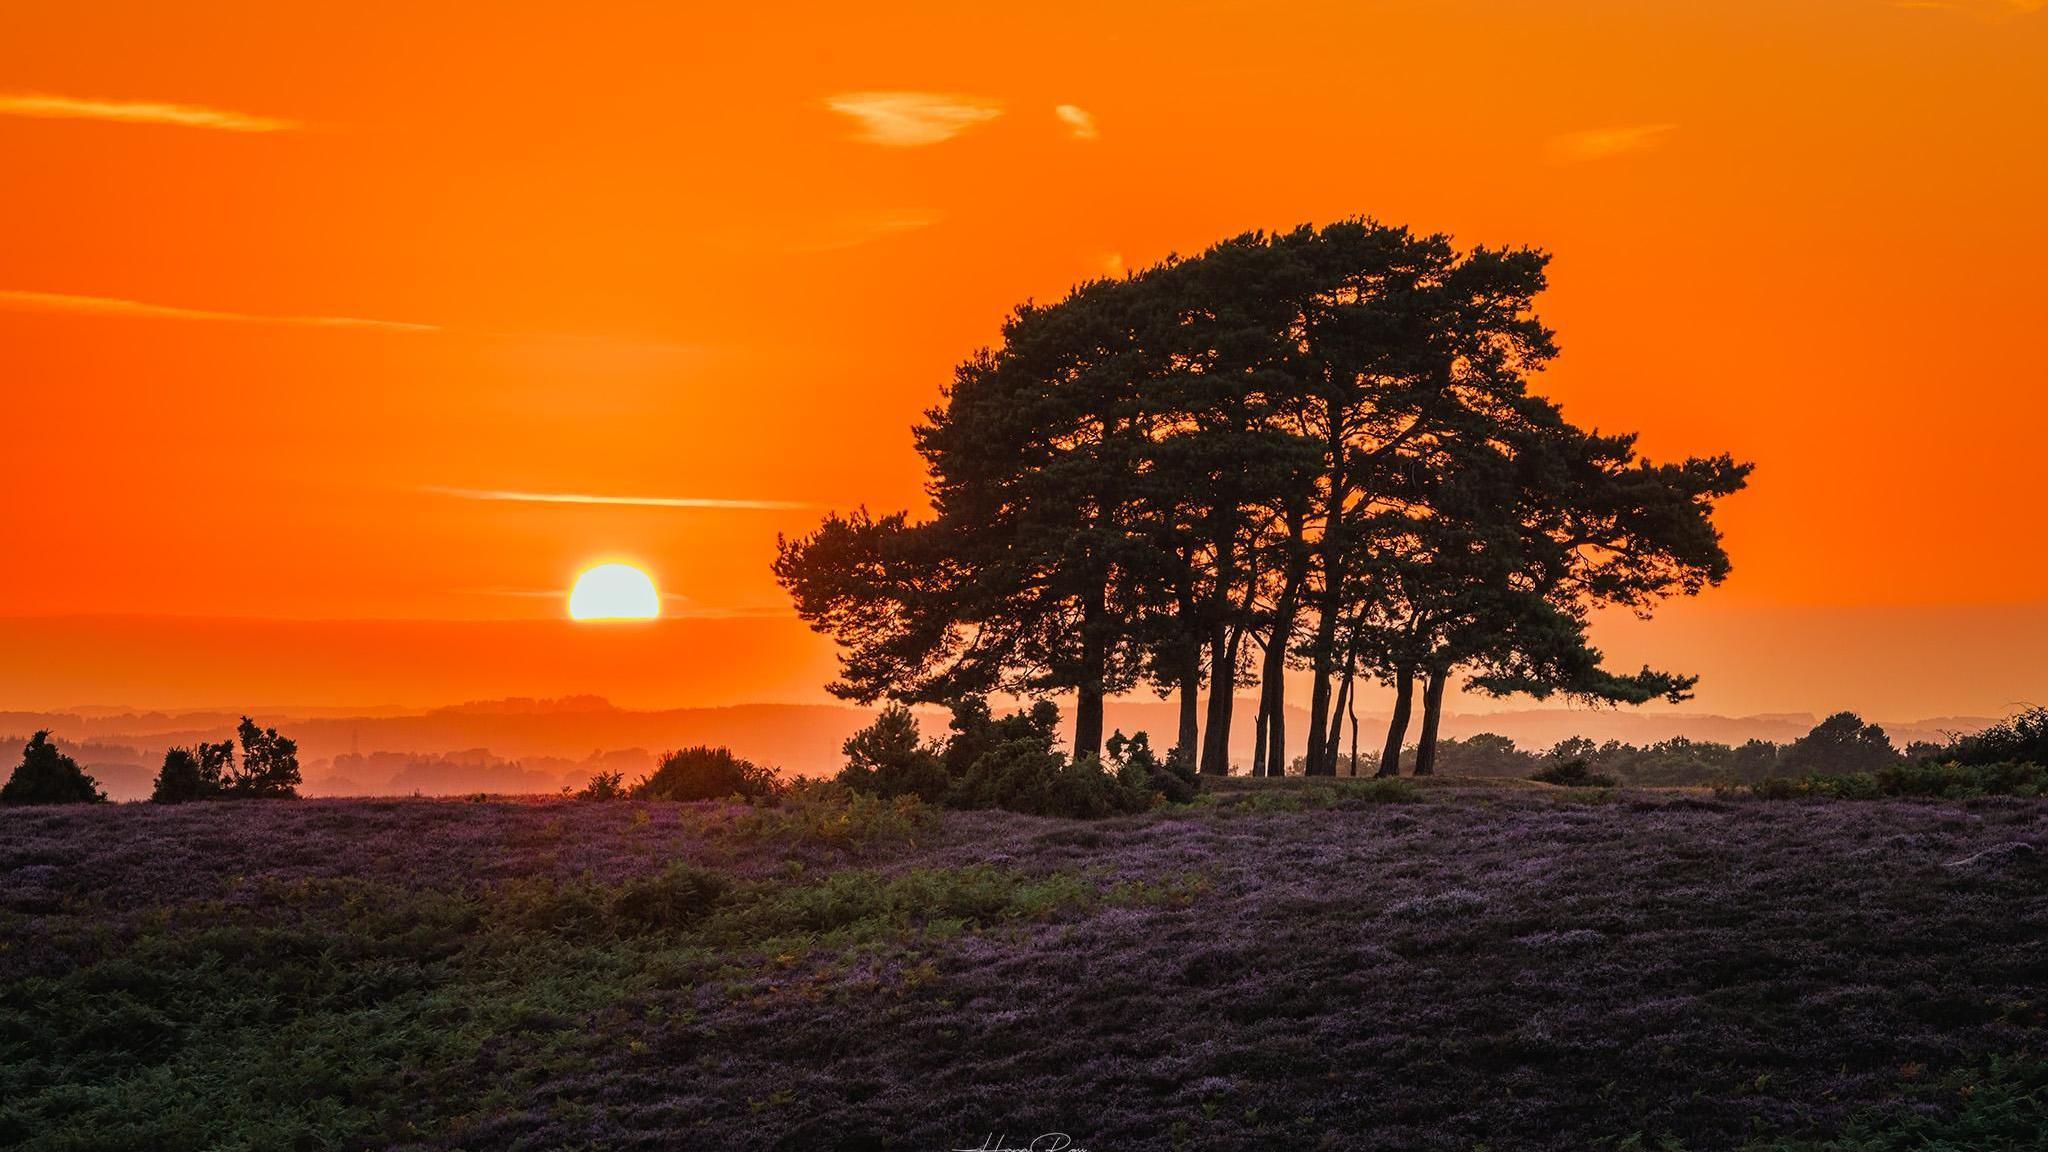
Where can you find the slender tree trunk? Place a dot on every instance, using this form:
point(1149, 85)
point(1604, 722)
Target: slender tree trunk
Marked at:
point(1188, 740)
point(1276, 729)
point(1333, 744)
point(1432, 715)
point(1354, 735)
point(1397, 728)
point(1259, 735)
point(1094, 672)
point(1222, 690)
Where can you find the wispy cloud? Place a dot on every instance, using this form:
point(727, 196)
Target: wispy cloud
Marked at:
point(48, 107)
point(807, 235)
point(21, 301)
point(1993, 10)
point(675, 605)
point(1602, 143)
point(1079, 121)
point(913, 119)
point(703, 502)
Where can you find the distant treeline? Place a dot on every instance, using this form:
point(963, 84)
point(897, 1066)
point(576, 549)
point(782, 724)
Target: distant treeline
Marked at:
point(1841, 746)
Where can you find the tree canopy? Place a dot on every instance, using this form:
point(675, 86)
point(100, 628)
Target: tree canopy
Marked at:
point(1313, 451)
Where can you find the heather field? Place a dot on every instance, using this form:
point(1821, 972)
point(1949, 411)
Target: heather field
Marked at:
point(1280, 965)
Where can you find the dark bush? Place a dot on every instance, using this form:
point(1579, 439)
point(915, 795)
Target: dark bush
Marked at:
point(47, 776)
point(1019, 768)
point(1175, 779)
point(2021, 739)
point(1011, 762)
point(604, 786)
point(891, 758)
point(1842, 743)
point(193, 773)
point(270, 764)
point(1572, 774)
point(706, 773)
point(1964, 780)
point(678, 898)
point(1954, 781)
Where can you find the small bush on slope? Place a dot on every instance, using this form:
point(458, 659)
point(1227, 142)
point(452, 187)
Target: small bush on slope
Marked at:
point(1573, 774)
point(1012, 763)
point(47, 776)
point(198, 773)
point(705, 773)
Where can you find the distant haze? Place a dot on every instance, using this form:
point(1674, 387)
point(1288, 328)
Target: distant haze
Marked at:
point(527, 745)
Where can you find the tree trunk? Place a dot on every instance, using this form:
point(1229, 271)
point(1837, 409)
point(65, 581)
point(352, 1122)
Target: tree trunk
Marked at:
point(1333, 743)
point(1354, 735)
point(1222, 688)
point(1397, 728)
point(1432, 715)
point(1188, 740)
point(1094, 671)
point(1259, 733)
point(1276, 729)
point(1330, 604)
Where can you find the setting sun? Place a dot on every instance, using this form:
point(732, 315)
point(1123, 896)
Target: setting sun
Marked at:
point(614, 592)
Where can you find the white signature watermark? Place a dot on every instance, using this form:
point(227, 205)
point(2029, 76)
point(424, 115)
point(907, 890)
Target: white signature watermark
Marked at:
point(1045, 1142)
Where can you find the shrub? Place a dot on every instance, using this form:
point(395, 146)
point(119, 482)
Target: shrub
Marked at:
point(1011, 763)
point(604, 786)
point(270, 764)
point(1964, 780)
point(891, 758)
point(705, 773)
point(1175, 779)
point(829, 813)
point(1841, 743)
point(47, 776)
point(1019, 769)
point(1573, 774)
point(197, 773)
point(681, 897)
point(1952, 781)
point(2021, 739)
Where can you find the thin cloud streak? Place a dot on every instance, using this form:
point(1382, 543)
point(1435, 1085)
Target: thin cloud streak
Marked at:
point(43, 106)
point(675, 605)
point(700, 502)
point(1602, 143)
point(24, 301)
point(1078, 120)
point(912, 119)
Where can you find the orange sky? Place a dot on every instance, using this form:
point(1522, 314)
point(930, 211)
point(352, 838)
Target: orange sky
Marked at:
point(657, 251)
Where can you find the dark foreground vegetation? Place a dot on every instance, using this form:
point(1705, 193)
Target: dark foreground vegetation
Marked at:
point(1283, 963)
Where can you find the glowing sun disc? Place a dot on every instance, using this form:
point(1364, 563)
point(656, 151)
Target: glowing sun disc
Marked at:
point(614, 592)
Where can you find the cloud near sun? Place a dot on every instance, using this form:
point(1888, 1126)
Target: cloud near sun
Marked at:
point(704, 502)
point(1601, 143)
point(47, 107)
point(913, 119)
point(20, 301)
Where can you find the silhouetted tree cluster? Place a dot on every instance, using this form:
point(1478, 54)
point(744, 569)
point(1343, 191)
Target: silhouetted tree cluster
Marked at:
point(269, 768)
point(47, 776)
point(1313, 450)
point(1010, 762)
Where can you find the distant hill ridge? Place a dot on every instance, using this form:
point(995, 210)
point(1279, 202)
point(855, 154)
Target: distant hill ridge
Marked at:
point(539, 743)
